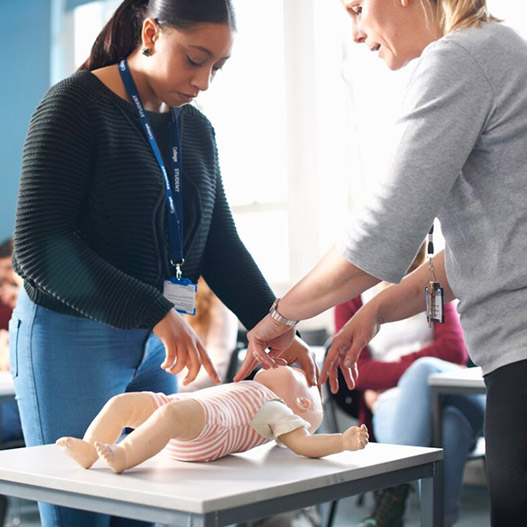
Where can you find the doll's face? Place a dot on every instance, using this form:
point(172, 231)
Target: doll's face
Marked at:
point(290, 384)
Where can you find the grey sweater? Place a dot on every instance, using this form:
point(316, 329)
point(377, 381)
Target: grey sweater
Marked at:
point(461, 157)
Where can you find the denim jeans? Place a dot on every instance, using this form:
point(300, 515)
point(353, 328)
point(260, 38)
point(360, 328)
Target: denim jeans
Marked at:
point(406, 420)
point(65, 368)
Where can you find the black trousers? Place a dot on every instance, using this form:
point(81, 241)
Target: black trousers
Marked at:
point(506, 444)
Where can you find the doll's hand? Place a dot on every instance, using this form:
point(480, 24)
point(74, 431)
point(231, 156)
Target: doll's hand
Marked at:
point(355, 438)
point(183, 348)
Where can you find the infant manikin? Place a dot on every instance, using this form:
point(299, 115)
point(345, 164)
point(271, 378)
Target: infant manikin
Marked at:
point(211, 423)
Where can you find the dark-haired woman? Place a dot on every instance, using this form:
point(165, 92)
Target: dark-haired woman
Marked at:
point(121, 209)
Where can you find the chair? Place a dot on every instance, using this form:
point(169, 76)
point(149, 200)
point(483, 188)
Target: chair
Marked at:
point(234, 361)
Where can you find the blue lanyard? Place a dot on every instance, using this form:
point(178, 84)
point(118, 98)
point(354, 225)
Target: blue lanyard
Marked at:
point(175, 221)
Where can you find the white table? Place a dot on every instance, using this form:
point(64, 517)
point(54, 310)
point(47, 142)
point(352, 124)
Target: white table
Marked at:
point(7, 389)
point(463, 381)
point(264, 481)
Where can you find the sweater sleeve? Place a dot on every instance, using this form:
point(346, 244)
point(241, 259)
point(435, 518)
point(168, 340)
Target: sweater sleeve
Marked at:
point(448, 345)
point(228, 267)
point(50, 251)
point(440, 127)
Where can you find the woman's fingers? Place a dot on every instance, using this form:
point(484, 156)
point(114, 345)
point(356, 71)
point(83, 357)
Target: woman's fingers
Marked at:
point(333, 380)
point(248, 365)
point(331, 361)
point(347, 373)
point(181, 359)
point(207, 364)
point(260, 355)
point(193, 364)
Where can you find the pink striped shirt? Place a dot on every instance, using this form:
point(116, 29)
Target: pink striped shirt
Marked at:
point(229, 410)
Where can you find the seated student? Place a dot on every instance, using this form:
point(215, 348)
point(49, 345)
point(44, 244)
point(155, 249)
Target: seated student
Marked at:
point(9, 283)
point(211, 423)
point(393, 388)
point(10, 427)
point(217, 329)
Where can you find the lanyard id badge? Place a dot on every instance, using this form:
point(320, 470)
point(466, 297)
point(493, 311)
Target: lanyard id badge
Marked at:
point(433, 290)
point(180, 291)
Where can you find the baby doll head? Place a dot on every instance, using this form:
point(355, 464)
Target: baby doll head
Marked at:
point(290, 384)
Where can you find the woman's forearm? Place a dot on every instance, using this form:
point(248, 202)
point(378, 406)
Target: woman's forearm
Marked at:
point(332, 281)
point(407, 298)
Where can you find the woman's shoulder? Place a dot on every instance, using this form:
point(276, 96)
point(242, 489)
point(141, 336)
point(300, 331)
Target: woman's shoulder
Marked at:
point(483, 44)
point(194, 116)
point(73, 94)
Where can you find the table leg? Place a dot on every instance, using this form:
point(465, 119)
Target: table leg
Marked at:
point(435, 400)
point(432, 498)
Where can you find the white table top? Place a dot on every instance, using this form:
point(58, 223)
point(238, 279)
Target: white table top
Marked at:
point(263, 473)
point(7, 388)
point(464, 377)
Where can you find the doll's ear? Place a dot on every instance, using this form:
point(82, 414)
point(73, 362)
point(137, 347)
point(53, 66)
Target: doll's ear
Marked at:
point(304, 403)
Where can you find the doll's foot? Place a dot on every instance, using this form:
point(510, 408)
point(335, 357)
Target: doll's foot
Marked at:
point(81, 451)
point(114, 456)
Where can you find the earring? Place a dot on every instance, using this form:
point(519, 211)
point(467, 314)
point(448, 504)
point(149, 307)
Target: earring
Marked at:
point(147, 52)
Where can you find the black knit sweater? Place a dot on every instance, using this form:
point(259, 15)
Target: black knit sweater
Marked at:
point(91, 233)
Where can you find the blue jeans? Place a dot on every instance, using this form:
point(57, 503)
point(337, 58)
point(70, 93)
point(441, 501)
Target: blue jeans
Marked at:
point(406, 420)
point(65, 368)
point(10, 426)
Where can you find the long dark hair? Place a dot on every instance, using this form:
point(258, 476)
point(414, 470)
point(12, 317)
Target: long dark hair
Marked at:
point(122, 34)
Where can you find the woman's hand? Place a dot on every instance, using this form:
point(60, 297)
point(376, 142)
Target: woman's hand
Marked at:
point(347, 345)
point(183, 348)
point(370, 396)
point(4, 350)
point(286, 348)
point(300, 353)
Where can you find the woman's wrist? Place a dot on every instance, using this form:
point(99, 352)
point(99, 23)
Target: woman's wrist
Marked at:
point(277, 316)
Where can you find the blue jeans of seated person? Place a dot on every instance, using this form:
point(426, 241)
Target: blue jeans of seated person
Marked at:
point(10, 426)
point(65, 368)
point(406, 420)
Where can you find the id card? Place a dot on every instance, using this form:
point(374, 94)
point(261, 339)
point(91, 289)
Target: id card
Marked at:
point(434, 303)
point(182, 293)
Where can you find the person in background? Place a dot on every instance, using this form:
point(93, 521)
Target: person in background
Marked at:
point(460, 157)
point(10, 427)
point(217, 328)
point(9, 283)
point(121, 208)
point(393, 389)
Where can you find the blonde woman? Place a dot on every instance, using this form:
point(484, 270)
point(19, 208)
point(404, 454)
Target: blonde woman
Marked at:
point(462, 157)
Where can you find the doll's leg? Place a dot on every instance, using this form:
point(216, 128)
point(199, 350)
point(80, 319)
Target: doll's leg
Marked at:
point(124, 410)
point(183, 419)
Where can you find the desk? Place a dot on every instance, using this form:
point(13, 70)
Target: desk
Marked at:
point(7, 389)
point(463, 381)
point(261, 482)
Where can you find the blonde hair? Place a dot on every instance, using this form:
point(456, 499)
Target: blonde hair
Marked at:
point(457, 14)
point(205, 301)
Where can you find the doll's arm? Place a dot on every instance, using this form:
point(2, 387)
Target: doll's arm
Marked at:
point(303, 443)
